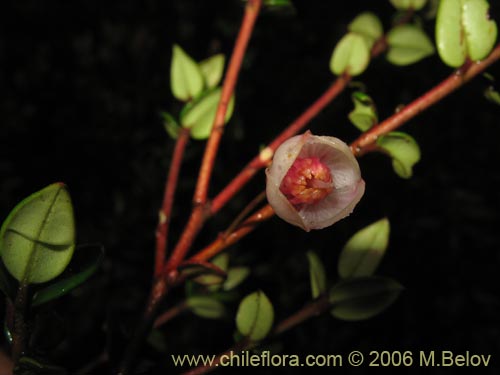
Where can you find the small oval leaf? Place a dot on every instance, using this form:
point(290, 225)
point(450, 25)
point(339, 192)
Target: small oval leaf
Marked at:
point(255, 316)
point(408, 44)
point(363, 298)
point(38, 237)
point(364, 114)
point(367, 25)
point(212, 69)
point(404, 151)
point(363, 252)
point(317, 274)
point(463, 29)
point(214, 280)
point(351, 55)
point(408, 4)
point(186, 78)
point(200, 116)
point(206, 307)
point(235, 276)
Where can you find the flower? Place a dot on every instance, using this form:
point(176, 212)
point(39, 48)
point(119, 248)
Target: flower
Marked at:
point(313, 181)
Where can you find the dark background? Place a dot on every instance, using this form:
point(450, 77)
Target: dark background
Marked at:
point(82, 84)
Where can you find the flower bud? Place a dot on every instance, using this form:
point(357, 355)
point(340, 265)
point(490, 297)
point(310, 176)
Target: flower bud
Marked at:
point(313, 181)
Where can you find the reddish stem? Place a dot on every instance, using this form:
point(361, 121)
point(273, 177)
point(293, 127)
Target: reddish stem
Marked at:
point(168, 200)
point(200, 196)
point(170, 314)
point(453, 82)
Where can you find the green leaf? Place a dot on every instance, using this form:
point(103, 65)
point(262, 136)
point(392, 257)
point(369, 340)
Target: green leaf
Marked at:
point(215, 280)
point(407, 45)
point(186, 78)
point(317, 274)
point(464, 30)
point(363, 252)
point(364, 114)
point(170, 124)
point(212, 69)
point(235, 276)
point(367, 25)
point(351, 55)
point(206, 307)
point(363, 298)
point(408, 4)
point(255, 316)
point(492, 95)
point(200, 116)
point(277, 3)
point(404, 151)
point(66, 285)
point(38, 237)
point(31, 366)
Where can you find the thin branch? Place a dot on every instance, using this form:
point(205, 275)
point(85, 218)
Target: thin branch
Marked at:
point(443, 89)
point(224, 241)
point(19, 334)
point(200, 196)
point(168, 200)
point(170, 314)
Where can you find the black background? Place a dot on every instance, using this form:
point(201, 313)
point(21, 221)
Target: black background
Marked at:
point(82, 84)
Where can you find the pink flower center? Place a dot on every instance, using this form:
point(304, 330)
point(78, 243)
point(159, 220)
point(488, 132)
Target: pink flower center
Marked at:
point(307, 181)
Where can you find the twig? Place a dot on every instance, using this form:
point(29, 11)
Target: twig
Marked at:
point(170, 314)
point(19, 335)
point(168, 200)
point(446, 87)
point(200, 196)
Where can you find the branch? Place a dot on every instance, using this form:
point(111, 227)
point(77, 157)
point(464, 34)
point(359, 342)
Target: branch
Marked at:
point(170, 314)
point(168, 200)
point(446, 87)
point(200, 196)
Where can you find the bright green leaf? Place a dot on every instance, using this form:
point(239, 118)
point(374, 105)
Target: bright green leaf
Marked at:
point(38, 237)
point(404, 151)
point(364, 114)
point(351, 55)
point(170, 124)
point(363, 252)
point(235, 276)
point(368, 26)
point(255, 316)
point(206, 307)
point(409, 4)
point(186, 78)
point(214, 280)
point(200, 115)
point(66, 285)
point(212, 69)
point(463, 29)
point(363, 298)
point(407, 45)
point(317, 274)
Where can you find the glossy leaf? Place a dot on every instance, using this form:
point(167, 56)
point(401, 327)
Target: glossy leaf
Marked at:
point(255, 316)
point(200, 116)
point(408, 4)
point(408, 44)
point(206, 307)
point(317, 274)
point(367, 25)
point(66, 285)
point(212, 69)
point(170, 124)
point(464, 30)
point(363, 252)
point(235, 276)
point(38, 237)
point(403, 150)
point(364, 114)
point(186, 78)
point(351, 55)
point(212, 279)
point(363, 298)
